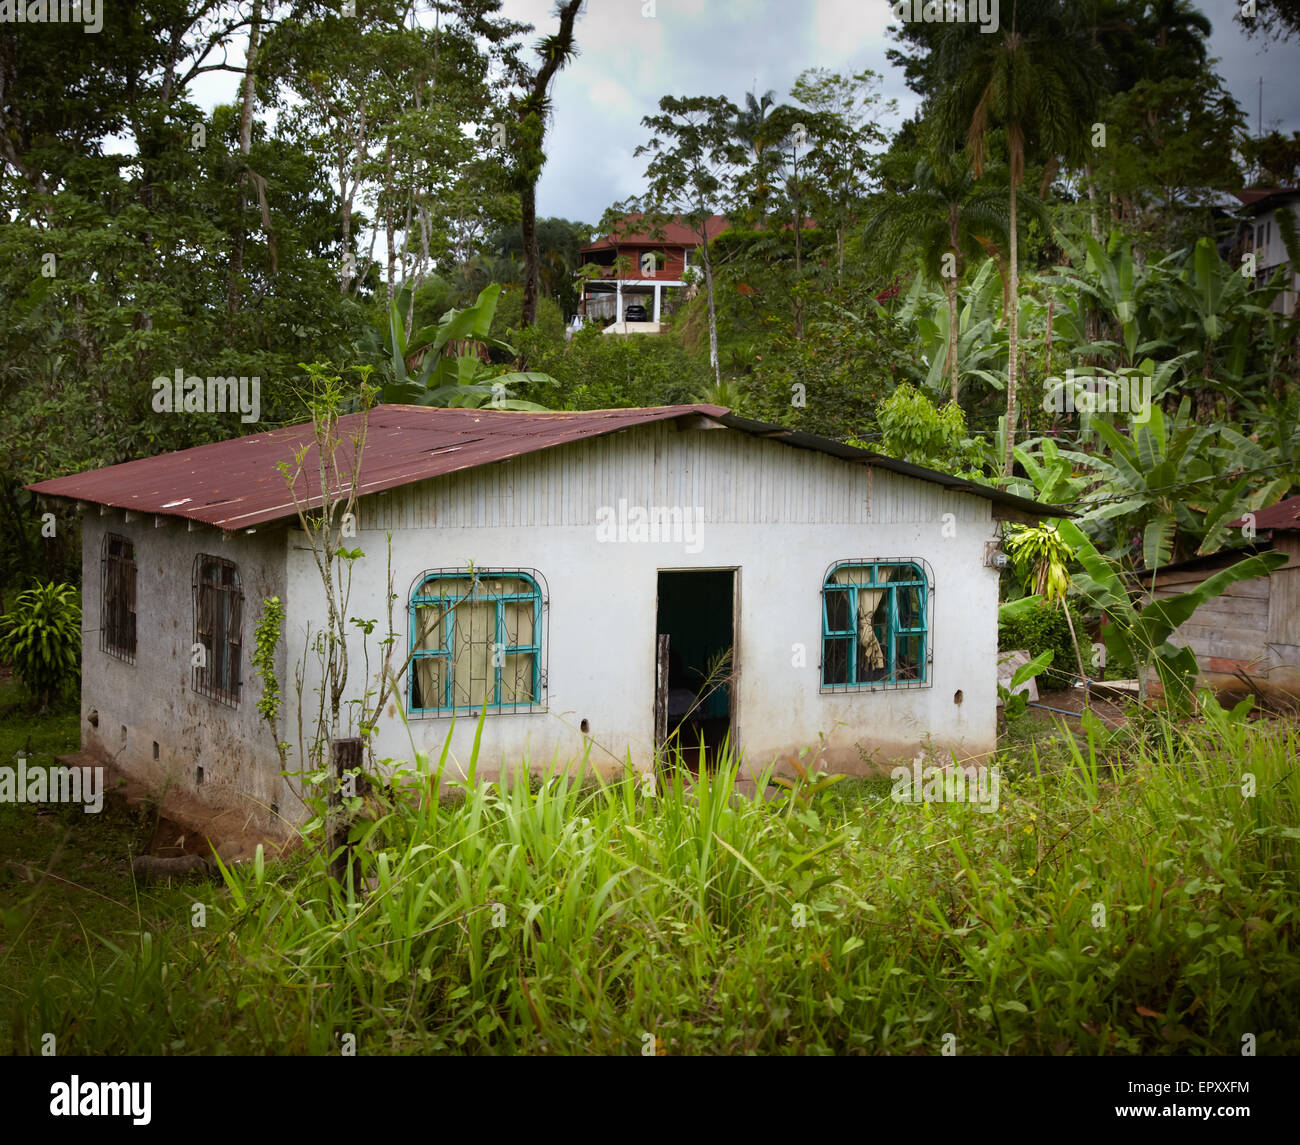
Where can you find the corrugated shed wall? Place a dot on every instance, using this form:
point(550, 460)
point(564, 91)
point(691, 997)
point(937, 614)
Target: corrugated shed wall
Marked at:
point(733, 477)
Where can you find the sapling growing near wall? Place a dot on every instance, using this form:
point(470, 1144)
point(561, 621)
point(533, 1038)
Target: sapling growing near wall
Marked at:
point(266, 638)
point(337, 470)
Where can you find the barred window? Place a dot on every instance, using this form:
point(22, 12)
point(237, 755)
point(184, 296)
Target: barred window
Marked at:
point(117, 573)
point(218, 626)
point(875, 627)
point(476, 640)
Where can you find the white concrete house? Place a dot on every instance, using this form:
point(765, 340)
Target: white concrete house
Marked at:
point(539, 561)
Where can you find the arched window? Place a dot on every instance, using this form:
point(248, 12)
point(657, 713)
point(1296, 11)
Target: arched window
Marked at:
point(117, 574)
point(477, 639)
point(875, 626)
point(218, 627)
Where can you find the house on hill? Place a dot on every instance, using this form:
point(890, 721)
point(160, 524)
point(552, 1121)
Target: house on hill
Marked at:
point(1248, 638)
point(638, 268)
point(1262, 235)
point(599, 582)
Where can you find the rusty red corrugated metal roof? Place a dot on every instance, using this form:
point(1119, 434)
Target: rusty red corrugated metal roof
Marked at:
point(1283, 515)
point(236, 484)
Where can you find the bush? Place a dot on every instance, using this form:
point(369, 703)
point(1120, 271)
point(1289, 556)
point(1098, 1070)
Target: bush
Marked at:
point(1040, 629)
point(41, 638)
point(510, 312)
point(607, 371)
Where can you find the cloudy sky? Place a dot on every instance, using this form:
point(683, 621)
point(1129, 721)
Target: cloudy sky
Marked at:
point(729, 47)
point(629, 60)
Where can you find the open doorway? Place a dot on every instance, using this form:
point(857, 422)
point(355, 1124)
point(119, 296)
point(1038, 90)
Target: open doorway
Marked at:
point(695, 668)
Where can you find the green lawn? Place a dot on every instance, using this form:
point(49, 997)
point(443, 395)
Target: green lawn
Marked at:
point(1135, 901)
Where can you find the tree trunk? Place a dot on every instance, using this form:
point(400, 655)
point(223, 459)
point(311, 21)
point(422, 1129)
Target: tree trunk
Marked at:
point(950, 368)
point(1013, 339)
point(532, 163)
point(1078, 655)
point(532, 254)
point(1047, 368)
point(245, 147)
point(798, 254)
point(713, 314)
point(1092, 202)
point(346, 212)
point(345, 754)
point(388, 218)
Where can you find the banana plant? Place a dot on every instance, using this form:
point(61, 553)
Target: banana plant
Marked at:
point(1137, 640)
point(454, 380)
point(1150, 475)
point(1041, 558)
point(1052, 475)
point(1118, 287)
point(1218, 302)
point(981, 344)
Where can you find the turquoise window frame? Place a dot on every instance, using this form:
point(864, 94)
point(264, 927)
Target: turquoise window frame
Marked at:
point(894, 631)
point(420, 598)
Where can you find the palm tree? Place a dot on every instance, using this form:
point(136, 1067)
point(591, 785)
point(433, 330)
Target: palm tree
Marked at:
point(1037, 77)
point(750, 127)
point(943, 218)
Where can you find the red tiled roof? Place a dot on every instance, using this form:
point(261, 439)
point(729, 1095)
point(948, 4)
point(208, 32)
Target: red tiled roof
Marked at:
point(675, 233)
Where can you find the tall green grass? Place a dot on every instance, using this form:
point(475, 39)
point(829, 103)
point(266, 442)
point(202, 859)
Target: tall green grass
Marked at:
point(1126, 898)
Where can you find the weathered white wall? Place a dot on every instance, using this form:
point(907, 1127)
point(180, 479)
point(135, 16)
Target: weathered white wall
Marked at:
point(152, 699)
point(777, 514)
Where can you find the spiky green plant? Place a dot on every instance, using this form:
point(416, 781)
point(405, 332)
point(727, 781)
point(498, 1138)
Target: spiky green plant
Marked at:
point(41, 638)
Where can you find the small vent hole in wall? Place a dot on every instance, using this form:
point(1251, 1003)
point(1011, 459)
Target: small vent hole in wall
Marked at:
point(956, 696)
point(94, 718)
point(155, 749)
point(275, 809)
point(198, 776)
point(584, 727)
point(124, 735)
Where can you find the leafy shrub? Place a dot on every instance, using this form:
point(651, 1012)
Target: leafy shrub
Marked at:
point(1045, 627)
point(41, 638)
point(606, 371)
point(913, 429)
point(506, 323)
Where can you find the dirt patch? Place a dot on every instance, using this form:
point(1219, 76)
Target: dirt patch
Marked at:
point(181, 824)
point(1109, 709)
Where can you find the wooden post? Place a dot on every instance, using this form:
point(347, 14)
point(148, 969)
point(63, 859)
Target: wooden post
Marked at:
point(346, 754)
point(661, 692)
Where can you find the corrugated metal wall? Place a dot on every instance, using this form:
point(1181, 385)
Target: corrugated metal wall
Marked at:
point(732, 476)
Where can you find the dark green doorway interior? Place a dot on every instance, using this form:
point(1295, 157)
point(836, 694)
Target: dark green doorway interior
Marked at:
point(696, 612)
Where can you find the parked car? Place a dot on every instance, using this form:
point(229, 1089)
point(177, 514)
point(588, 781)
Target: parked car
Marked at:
point(635, 313)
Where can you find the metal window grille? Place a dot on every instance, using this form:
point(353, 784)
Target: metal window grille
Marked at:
point(218, 626)
point(117, 577)
point(890, 647)
point(478, 638)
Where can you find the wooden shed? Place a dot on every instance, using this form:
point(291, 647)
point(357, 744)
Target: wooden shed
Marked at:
point(1248, 638)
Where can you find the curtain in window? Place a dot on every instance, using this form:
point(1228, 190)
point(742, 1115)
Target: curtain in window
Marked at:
point(473, 640)
point(871, 656)
point(517, 667)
